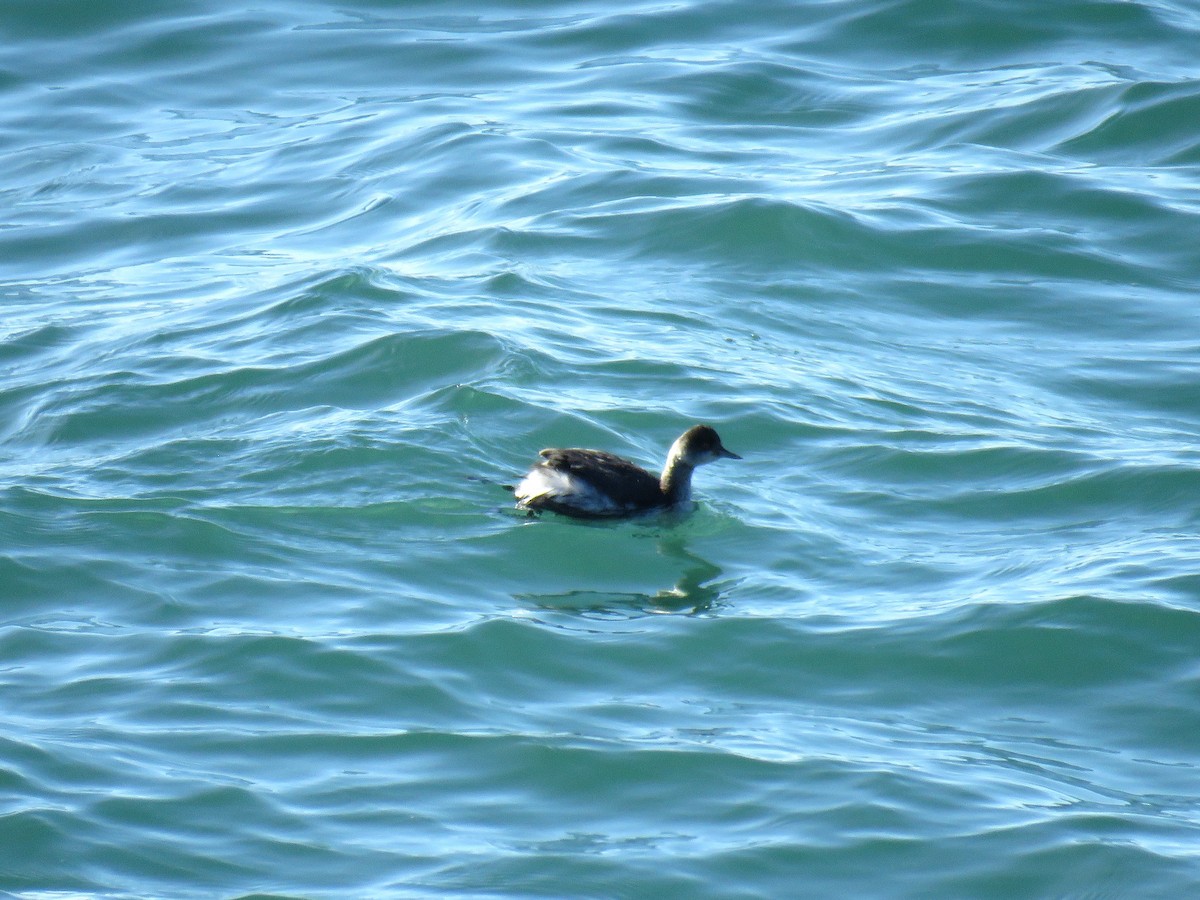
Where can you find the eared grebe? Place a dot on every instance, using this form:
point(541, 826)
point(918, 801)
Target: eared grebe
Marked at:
point(592, 483)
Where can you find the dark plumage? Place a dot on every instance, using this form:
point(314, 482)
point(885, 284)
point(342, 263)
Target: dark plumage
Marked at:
point(623, 482)
point(593, 483)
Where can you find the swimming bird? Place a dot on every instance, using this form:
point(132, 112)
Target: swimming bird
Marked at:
point(590, 484)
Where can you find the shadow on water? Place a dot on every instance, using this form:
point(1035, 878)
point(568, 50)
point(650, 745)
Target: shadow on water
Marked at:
point(693, 593)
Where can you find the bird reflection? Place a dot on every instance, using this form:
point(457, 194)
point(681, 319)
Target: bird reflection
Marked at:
point(693, 593)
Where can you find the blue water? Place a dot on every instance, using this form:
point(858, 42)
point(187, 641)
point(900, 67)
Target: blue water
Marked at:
point(288, 294)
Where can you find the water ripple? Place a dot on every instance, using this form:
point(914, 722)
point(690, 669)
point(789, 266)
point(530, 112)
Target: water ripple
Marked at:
point(291, 294)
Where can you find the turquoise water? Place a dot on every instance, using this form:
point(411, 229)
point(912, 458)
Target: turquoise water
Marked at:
point(288, 292)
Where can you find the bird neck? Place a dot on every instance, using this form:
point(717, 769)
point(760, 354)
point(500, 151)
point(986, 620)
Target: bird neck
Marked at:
point(676, 481)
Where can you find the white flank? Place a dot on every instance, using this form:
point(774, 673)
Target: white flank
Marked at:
point(563, 488)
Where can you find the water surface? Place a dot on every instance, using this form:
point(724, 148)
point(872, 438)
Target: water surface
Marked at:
point(289, 293)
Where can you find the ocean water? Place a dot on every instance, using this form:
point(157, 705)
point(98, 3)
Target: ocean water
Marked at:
point(288, 294)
